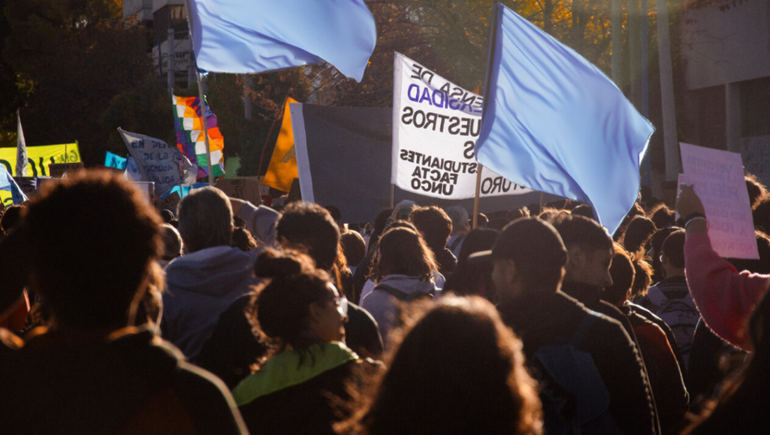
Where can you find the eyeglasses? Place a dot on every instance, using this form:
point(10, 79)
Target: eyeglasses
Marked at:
point(342, 304)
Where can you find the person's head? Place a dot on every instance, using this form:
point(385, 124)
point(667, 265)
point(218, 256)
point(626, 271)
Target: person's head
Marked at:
point(761, 265)
point(662, 216)
point(457, 370)
point(167, 216)
point(172, 243)
point(481, 220)
point(590, 250)
point(520, 212)
point(622, 272)
point(93, 271)
point(298, 305)
point(353, 246)
point(459, 217)
point(474, 279)
point(755, 188)
point(11, 218)
point(404, 208)
point(243, 240)
point(636, 210)
point(672, 254)
point(656, 244)
point(638, 233)
point(336, 215)
point(528, 257)
point(403, 252)
point(434, 225)
point(205, 219)
point(642, 274)
point(309, 227)
point(584, 210)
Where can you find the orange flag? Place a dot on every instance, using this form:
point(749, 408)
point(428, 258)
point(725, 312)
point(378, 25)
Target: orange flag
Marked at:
point(283, 164)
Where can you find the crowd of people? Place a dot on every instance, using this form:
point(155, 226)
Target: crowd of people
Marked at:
point(224, 316)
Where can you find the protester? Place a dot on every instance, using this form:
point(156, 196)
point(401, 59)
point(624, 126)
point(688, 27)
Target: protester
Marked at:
point(435, 227)
point(656, 243)
point(474, 279)
point(172, 245)
point(405, 273)
point(10, 218)
point(364, 267)
point(211, 274)
point(662, 216)
point(638, 233)
point(243, 240)
point(666, 378)
point(594, 359)
point(430, 388)
point(89, 372)
point(302, 315)
point(354, 249)
point(724, 296)
point(670, 299)
point(460, 228)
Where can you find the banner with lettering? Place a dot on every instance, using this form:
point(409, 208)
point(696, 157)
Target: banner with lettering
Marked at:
point(40, 157)
point(159, 162)
point(435, 127)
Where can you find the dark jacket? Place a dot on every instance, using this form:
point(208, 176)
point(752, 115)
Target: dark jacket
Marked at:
point(551, 319)
point(136, 383)
point(293, 394)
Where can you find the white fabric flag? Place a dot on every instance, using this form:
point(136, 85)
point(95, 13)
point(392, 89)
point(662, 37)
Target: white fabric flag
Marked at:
point(435, 127)
point(21, 149)
point(158, 162)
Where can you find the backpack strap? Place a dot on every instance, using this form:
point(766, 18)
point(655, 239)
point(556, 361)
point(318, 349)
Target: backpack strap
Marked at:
point(456, 242)
point(582, 330)
point(396, 293)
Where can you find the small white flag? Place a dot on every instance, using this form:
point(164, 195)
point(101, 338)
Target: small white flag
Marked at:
point(21, 149)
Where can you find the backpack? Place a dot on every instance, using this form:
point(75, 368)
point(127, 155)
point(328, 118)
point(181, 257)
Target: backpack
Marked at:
point(676, 307)
point(401, 296)
point(574, 397)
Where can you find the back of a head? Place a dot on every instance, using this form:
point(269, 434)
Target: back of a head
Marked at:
point(353, 246)
point(673, 249)
point(243, 240)
point(583, 232)
point(403, 252)
point(310, 227)
point(471, 278)
point(90, 272)
point(584, 210)
point(479, 239)
point(10, 218)
point(459, 217)
point(484, 388)
point(536, 249)
point(762, 265)
point(172, 242)
point(622, 271)
point(205, 219)
point(662, 216)
point(336, 215)
point(280, 309)
point(642, 274)
point(434, 224)
point(638, 233)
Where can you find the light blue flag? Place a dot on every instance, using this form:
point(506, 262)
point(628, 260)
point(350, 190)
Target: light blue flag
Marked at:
point(553, 122)
point(252, 36)
point(112, 160)
point(7, 183)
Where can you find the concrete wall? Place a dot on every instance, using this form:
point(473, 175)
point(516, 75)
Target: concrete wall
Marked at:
point(157, 4)
point(141, 10)
point(721, 47)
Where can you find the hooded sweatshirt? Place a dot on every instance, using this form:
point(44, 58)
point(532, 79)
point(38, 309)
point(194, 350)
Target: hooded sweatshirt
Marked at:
point(384, 307)
point(201, 286)
point(129, 382)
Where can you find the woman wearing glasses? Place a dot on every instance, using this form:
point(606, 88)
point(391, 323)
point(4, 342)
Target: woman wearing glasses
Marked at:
point(302, 315)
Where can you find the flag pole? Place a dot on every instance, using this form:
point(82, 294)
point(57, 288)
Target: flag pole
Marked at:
point(476, 197)
point(200, 94)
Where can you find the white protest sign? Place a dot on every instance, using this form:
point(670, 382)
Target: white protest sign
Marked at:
point(156, 160)
point(435, 127)
point(719, 182)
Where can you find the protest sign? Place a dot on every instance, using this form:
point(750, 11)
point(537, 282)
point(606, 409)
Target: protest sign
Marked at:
point(170, 202)
point(40, 158)
point(435, 127)
point(57, 170)
point(718, 179)
point(344, 156)
point(158, 162)
point(247, 189)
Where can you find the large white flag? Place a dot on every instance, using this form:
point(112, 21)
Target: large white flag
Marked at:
point(21, 149)
point(158, 162)
point(435, 127)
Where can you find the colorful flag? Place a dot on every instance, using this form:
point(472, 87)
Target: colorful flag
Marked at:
point(283, 164)
point(21, 149)
point(253, 36)
point(555, 123)
point(189, 135)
